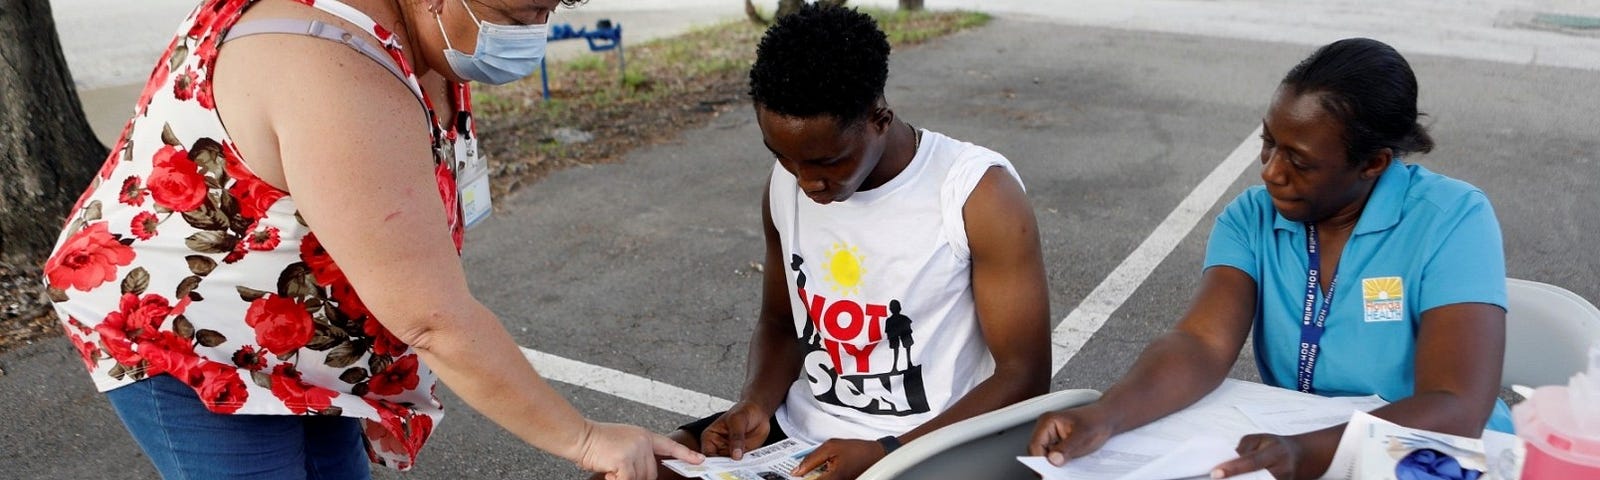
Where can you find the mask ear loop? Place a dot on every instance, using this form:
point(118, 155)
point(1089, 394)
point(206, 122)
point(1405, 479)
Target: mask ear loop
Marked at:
point(439, 20)
point(470, 14)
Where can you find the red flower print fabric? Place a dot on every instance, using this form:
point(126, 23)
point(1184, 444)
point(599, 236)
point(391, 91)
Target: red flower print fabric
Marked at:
point(281, 324)
point(90, 257)
point(297, 395)
point(176, 182)
point(132, 192)
point(180, 260)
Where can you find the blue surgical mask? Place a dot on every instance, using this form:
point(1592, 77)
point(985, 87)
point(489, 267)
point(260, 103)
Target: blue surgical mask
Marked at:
point(505, 53)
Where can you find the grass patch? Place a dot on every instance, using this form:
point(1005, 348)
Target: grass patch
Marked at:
point(671, 84)
point(586, 63)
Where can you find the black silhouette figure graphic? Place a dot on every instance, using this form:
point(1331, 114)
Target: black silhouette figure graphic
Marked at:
point(800, 281)
point(898, 329)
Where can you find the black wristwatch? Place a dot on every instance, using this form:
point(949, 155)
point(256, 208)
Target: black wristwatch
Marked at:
point(889, 443)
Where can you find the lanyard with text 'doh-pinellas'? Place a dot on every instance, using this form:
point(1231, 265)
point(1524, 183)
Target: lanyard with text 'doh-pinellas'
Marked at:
point(1314, 320)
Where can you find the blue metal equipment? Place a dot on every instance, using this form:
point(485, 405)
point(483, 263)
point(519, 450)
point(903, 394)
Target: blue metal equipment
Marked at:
point(605, 36)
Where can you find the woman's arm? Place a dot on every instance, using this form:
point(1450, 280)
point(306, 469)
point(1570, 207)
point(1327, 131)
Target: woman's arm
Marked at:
point(1174, 371)
point(1459, 352)
point(1460, 344)
point(353, 146)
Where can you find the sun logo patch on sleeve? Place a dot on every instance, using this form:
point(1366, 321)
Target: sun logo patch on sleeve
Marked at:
point(1381, 299)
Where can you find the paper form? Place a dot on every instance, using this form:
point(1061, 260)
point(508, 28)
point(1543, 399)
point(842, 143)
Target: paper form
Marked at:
point(1136, 456)
point(1292, 418)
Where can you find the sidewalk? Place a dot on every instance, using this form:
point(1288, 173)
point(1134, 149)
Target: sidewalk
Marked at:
point(110, 70)
point(110, 64)
point(1494, 30)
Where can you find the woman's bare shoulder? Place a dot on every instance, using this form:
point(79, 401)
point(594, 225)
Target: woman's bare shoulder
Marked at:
point(270, 86)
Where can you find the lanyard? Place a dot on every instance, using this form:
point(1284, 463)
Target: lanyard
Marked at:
point(1314, 320)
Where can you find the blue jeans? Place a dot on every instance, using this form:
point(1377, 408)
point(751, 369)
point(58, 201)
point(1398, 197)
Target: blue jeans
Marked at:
point(188, 442)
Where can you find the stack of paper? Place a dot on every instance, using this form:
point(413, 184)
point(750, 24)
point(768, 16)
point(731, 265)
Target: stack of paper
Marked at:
point(1372, 447)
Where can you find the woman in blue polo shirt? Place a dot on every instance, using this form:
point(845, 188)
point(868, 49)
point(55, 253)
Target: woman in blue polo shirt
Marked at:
point(1357, 273)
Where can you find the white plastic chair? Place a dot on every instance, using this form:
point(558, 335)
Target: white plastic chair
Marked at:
point(985, 446)
point(1549, 331)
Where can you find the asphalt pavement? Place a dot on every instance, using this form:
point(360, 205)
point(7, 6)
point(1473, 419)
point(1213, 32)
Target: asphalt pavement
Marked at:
point(645, 266)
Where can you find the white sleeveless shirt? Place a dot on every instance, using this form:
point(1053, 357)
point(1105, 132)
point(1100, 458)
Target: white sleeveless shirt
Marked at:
point(881, 292)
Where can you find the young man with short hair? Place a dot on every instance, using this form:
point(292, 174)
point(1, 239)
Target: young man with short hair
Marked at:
point(904, 288)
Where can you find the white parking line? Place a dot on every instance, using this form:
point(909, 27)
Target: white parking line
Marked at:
point(625, 385)
point(1073, 332)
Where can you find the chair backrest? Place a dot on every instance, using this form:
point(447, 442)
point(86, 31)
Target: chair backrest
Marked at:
point(985, 446)
point(1548, 333)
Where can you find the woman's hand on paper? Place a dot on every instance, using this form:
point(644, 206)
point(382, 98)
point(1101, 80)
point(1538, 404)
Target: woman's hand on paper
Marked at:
point(1066, 434)
point(1276, 454)
point(626, 452)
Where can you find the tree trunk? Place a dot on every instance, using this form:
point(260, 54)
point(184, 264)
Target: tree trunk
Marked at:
point(48, 153)
point(785, 7)
point(911, 4)
point(753, 14)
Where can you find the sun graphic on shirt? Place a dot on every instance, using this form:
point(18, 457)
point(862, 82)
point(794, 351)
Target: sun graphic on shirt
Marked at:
point(1383, 288)
point(843, 269)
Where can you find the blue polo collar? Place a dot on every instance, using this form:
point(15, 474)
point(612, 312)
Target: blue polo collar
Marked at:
point(1383, 208)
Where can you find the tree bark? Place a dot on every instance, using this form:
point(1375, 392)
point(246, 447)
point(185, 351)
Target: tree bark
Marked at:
point(48, 153)
point(753, 14)
point(911, 5)
point(785, 7)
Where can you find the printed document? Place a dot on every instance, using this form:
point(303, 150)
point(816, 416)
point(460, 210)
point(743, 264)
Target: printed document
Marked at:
point(1372, 447)
point(772, 462)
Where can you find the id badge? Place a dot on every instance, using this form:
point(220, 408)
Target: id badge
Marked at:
point(472, 182)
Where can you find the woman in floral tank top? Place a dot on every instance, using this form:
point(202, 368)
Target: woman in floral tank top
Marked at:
point(276, 298)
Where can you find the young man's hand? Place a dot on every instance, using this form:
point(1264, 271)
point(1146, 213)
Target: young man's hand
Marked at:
point(845, 459)
point(743, 428)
